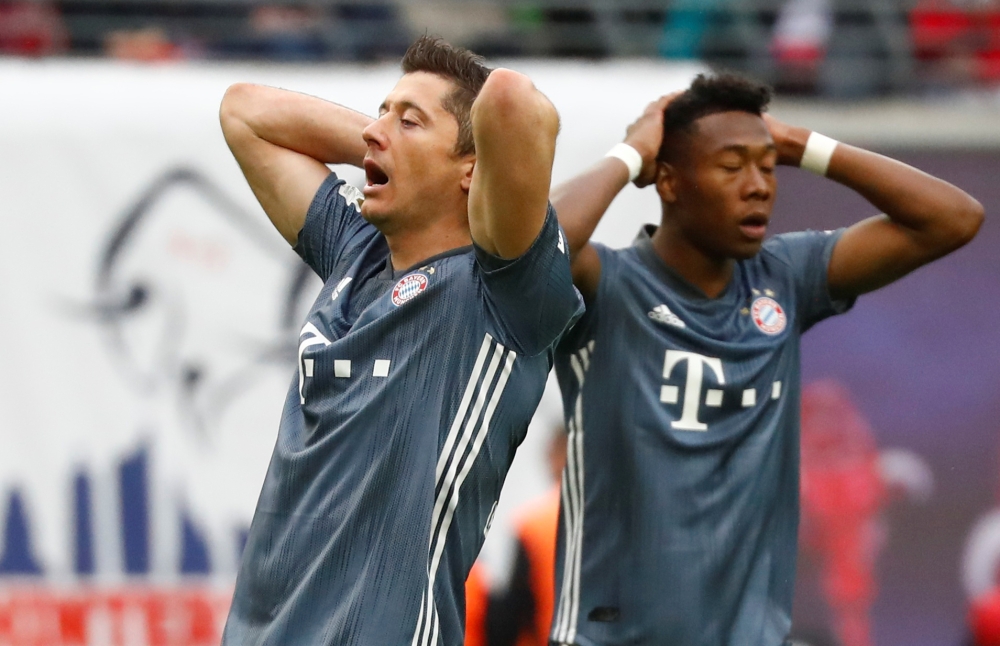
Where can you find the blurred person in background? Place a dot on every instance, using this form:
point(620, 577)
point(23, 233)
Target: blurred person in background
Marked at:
point(799, 42)
point(846, 485)
point(956, 42)
point(145, 45)
point(984, 619)
point(477, 599)
point(32, 29)
point(685, 26)
point(287, 33)
point(981, 579)
point(521, 613)
point(680, 384)
point(841, 497)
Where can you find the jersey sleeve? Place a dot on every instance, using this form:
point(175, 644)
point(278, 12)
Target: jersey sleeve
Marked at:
point(808, 256)
point(333, 226)
point(530, 300)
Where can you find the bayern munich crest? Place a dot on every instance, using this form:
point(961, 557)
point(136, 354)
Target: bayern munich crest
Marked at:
point(768, 316)
point(408, 287)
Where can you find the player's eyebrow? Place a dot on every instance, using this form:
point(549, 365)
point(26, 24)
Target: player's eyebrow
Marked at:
point(744, 149)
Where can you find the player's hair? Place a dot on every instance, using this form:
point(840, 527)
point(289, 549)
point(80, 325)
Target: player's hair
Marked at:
point(707, 95)
point(460, 66)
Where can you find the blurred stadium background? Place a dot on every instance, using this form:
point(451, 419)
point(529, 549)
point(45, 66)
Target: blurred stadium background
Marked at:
point(148, 315)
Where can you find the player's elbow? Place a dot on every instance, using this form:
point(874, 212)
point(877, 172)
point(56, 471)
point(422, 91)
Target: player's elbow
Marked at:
point(972, 219)
point(234, 106)
point(964, 222)
point(509, 99)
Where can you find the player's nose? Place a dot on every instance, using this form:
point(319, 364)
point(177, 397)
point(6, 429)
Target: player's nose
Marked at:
point(374, 133)
point(758, 184)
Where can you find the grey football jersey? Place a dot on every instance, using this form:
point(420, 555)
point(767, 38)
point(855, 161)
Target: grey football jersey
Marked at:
point(680, 497)
point(413, 390)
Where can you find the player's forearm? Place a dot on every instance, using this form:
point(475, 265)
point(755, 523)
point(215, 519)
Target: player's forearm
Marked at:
point(942, 216)
point(325, 131)
point(581, 202)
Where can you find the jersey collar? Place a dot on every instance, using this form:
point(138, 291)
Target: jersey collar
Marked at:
point(643, 244)
point(389, 272)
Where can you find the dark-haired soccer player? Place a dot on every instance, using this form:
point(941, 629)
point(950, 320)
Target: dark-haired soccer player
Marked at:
point(681, 382)
point(422, 360)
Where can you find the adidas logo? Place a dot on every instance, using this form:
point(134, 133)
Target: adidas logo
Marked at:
point(662, 314)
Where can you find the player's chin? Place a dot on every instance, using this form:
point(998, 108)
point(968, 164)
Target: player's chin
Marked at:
point(373, 212)
point(745, 249)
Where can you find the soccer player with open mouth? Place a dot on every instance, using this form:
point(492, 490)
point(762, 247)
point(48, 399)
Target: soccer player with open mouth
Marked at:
point(447, 284)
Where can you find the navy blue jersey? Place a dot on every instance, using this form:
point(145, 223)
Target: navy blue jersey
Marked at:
point(413, 390)
point(680, 496)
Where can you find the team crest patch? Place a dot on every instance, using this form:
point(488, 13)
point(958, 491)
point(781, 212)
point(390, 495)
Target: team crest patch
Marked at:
point(768, 316)
point(408, 287)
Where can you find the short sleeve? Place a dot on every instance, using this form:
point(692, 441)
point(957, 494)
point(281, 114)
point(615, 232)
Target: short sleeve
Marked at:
point(531, 300)
point(808, 256)
point(333, 227)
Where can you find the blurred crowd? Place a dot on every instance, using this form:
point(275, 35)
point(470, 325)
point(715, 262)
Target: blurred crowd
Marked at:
point(827, 47)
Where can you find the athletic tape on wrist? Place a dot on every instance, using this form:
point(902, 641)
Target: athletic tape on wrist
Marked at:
point(630, 156)
point(816, 156)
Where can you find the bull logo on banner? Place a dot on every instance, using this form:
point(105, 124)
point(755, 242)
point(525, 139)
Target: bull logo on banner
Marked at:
point(196, 305)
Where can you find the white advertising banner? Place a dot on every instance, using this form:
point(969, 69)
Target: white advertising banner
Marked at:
point(148, 316)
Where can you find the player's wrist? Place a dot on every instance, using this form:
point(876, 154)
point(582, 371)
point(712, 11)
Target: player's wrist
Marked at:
point(628, 156)
point(817, 153)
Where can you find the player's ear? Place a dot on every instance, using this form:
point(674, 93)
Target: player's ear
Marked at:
point(468, 165)
point(666, 182)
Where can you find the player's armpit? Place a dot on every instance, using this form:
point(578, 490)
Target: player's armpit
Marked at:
point(581, 202)
point(586, 268)
point(515, 129)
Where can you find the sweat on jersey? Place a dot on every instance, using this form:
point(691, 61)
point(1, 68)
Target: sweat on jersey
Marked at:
point(680, 496)
point(413, 390)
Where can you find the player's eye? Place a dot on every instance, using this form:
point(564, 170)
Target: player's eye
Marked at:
point(731, 163)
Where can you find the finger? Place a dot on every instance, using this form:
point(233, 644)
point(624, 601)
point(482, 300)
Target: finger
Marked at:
point(665, 100)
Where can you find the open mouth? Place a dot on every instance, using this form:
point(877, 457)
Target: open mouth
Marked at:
point(374, 175)
point(754, 226)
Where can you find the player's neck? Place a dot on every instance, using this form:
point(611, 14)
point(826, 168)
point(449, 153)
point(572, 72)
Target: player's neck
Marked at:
point(409, 246)
point(710, 274)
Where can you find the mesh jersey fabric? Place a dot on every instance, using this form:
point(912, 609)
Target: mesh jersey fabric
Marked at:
point(680, 496)
point(413, 390)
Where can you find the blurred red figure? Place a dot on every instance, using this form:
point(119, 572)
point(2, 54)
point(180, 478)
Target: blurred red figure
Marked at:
point(32, 29)
point(842, 496)
point(984, 620)
point(476, 602)
point(981, 578)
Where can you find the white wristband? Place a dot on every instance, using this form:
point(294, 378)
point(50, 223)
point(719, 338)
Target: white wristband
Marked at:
point(630, 156)
point(816, 156)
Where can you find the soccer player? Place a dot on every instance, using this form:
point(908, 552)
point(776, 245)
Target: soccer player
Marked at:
point(447, 283)
point(681, 381)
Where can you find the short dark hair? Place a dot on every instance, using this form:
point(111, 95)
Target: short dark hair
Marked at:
point(707, 95)
point(460, 66)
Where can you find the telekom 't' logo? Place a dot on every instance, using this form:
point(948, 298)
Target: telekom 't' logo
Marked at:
point(692, 387)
